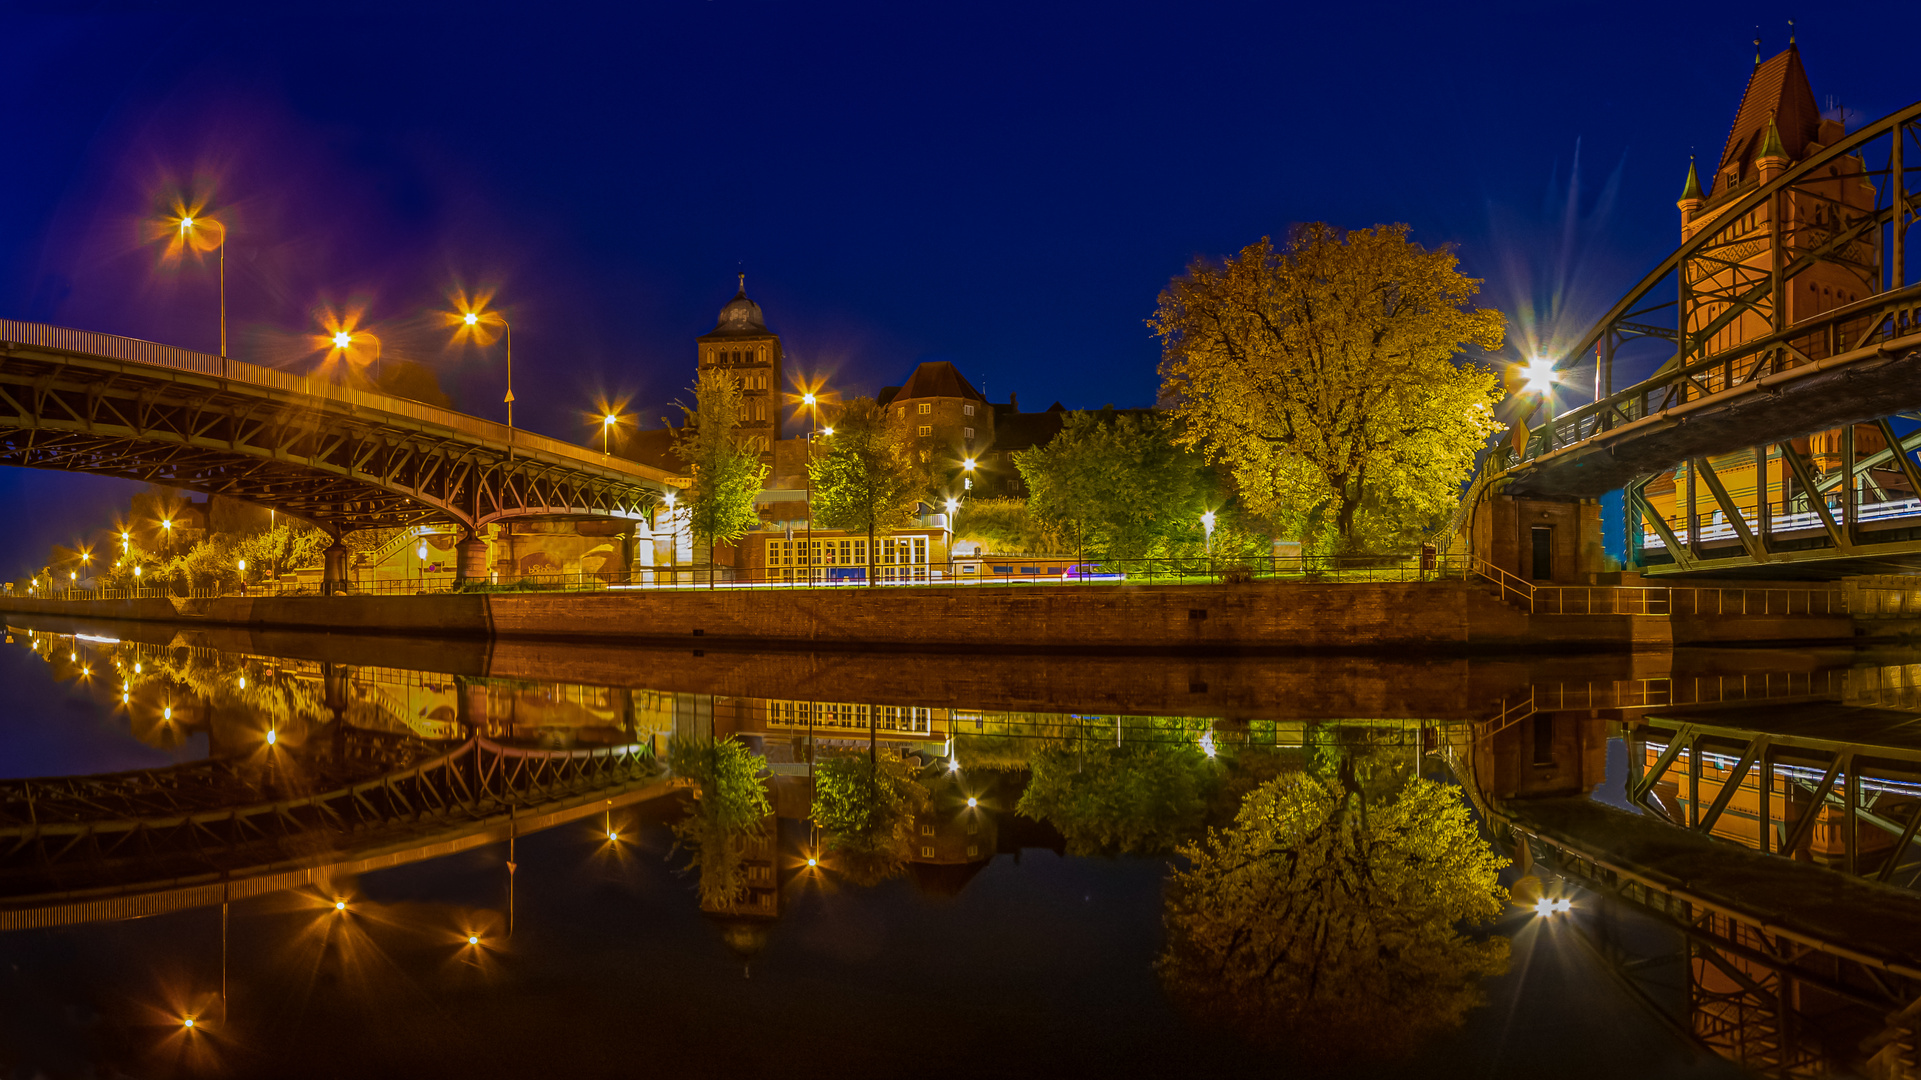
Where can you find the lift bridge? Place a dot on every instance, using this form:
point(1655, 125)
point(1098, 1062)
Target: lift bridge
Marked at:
point(1777, 437)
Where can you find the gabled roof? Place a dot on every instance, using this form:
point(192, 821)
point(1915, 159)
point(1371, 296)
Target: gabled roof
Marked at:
point(1777, 90)
point(937, 378)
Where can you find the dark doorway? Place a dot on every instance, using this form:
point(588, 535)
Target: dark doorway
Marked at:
point(1543, 567)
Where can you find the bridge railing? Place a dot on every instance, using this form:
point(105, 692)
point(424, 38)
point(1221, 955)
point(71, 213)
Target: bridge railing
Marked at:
point(1890, 319)
point(115, 347)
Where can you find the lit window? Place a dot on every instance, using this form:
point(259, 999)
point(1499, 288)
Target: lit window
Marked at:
point(925, 431)
point(968, 409)
point(925, 408)
point(967, 433)
point(902, 411)
point(973, 850)
point(926, 853)
point(927, 830)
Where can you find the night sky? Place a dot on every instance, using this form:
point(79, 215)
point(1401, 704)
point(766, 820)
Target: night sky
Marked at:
point(1004, 186)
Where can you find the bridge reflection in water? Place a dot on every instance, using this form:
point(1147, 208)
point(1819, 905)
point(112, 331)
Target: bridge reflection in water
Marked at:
point(1769, 819)
point(320, 769)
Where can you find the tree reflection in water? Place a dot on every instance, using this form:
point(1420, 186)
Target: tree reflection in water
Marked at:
point(866, 805)
point(729, 809)
point(1328, 919)
point(1142, 797)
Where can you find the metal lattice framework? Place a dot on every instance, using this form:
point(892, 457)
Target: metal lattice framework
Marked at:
point(341, 458)
point(1859, 363)
point(73, 840)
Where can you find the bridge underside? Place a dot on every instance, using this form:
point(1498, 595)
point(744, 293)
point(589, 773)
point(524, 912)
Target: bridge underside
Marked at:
point(336, 457)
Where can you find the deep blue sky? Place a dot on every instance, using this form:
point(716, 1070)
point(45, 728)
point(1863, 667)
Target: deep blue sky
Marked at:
point(1006, 186)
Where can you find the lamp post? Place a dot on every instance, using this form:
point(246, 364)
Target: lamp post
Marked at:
point(190, 228)
point(673, 540)
point(606, 425)
point(472, 320)
point(813, 425)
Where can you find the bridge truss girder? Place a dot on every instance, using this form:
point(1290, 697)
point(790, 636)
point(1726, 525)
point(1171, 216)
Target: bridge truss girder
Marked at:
point(1856, 364)
point(331, 463)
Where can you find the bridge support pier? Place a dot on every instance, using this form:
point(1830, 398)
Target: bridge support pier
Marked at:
point(470, 560)
point(1544, 540)
point(334, 577)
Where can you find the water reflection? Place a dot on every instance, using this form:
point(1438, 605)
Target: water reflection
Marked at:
point(1326, 888)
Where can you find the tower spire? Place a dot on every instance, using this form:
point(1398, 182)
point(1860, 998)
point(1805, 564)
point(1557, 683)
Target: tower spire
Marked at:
point(743, 283)
point(1771, 143)
point(1757, 47)
point(1692, 189)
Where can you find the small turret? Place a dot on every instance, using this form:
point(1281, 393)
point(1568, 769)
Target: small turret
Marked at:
point(1691, 198)
point(1772, 158)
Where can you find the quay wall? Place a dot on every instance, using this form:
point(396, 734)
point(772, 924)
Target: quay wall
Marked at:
point(1190, 619)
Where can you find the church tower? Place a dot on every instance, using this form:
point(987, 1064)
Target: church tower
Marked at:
point(741, 344)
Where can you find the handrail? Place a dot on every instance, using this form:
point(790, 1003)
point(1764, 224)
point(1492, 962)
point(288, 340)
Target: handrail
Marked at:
point(134, 350)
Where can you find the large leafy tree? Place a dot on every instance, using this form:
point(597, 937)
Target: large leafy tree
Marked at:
point(1331, 922)
point(1117, 482)
point(1326, 375)
point(730, 807)
point(727, 469)
point(869, 478)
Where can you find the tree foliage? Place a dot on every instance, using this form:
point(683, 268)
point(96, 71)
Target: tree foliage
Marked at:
point(727, 470)
point(1325, 376)
point(1332, 923)
point(869, 477)
point(1119, 483)
point(729, 808)
point(1009, 527)
point(1143, 797)
point(866, 806)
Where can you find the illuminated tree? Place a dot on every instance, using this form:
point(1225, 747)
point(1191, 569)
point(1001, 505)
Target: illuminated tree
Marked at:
point(1117, 483)
point(866, 806)
point(727, 468)
point(869, 478)
point(1331, 923)
point(1325, 376)
point(1009, 527)
point(730, 806)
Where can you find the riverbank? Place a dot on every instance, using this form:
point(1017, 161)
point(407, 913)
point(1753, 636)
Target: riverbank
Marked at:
point(1259, 617)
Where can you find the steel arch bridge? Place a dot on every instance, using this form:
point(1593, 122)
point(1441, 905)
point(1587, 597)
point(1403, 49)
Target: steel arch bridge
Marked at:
point(341, 458)
point(1858, 364)
point(123, 845)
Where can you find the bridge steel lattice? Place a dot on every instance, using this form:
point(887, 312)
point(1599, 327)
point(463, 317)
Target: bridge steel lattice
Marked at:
point(1858, 364)
point(341, 458)
point(86, 848)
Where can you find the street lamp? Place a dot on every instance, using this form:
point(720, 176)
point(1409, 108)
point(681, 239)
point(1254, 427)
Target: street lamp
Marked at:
point(606, 425)
point(812, 402)
point(203, 233)
point(469, 321)
point(673, 541)
point(167, 524)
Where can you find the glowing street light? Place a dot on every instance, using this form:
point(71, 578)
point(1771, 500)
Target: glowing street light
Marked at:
point(953, 506)
point(342, 339)
point(191, 229)
point(473, 939)
point(972, 802)
point(968, 464)
point(272, 738)
point(607, 423)
point(468, 321)
point(1538, 375)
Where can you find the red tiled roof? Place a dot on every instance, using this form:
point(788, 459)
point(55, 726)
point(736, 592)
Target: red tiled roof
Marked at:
point(1779, 89)
point(937, 378)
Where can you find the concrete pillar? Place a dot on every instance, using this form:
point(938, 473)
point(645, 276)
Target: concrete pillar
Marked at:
point(334, 579)
point(470, 560)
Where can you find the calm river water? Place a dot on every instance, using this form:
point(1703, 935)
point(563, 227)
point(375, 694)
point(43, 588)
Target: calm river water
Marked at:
point(351, 802)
